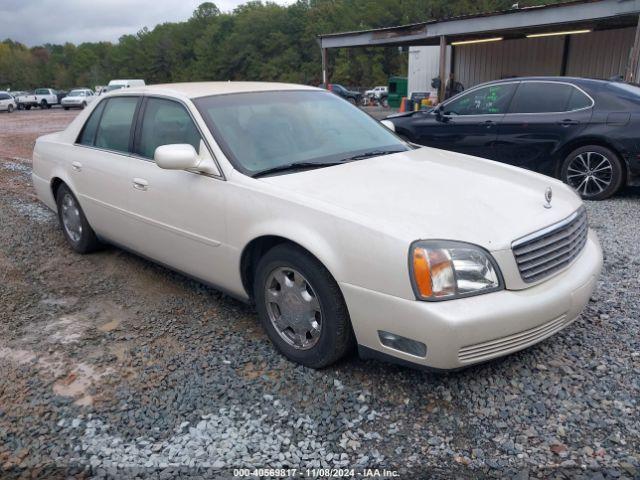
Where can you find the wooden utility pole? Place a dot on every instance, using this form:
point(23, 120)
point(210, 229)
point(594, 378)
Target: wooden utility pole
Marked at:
point(443, 67)
point(325, 74)
point(631, 75)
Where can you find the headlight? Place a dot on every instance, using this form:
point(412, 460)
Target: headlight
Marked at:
point(443, 269)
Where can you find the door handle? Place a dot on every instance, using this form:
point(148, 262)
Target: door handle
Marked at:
point(76, 166)
point(140, 184)
point(568, 122)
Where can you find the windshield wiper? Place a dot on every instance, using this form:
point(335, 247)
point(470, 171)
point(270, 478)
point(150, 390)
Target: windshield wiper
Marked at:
point(294, 166)
point(373, 153)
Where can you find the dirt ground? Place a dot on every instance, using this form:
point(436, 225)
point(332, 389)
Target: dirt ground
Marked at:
point(19, 130)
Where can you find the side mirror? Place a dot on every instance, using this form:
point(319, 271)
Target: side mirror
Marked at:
point(389, 124)
point(179, 156)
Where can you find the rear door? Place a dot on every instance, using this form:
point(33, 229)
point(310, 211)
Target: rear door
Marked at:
point(101, 165)
point(543, 116)
point(468, 123)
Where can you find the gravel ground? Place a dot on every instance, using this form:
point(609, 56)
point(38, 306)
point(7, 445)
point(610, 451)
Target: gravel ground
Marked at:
point(113, 367)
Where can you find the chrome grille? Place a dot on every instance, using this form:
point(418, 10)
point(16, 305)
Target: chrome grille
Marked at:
point(551, 249)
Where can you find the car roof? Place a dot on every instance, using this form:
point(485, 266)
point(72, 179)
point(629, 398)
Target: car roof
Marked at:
point(576, 80)
point(205, 89)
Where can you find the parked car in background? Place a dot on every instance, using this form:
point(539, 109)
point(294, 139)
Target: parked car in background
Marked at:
point(582, 131)
point(78, 98)
point(46, 97)
point(118, 84)
point(350, 95)
point(336, 229)
point(377, 92)
point(7, 103)
point(26, 100)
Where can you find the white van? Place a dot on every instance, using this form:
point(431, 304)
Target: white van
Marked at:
point(117, 84)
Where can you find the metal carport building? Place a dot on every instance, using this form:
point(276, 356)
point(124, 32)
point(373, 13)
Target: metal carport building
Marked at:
point(589, 38)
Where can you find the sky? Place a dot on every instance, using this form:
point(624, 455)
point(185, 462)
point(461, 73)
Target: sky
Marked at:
point(35, 22)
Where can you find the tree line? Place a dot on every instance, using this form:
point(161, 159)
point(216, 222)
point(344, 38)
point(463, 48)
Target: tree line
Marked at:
point(256, 41)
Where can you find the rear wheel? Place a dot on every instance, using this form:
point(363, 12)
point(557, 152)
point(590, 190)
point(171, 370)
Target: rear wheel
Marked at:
point(74, 224)
point(352, 101)
point(27, 107)
point(66, 108)
point(301, 307)
point(43, 104)
point(594, 172)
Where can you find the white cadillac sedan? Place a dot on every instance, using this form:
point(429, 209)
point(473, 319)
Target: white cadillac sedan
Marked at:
point(338, 231)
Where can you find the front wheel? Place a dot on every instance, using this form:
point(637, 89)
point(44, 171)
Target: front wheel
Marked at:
point(66, 108)
point(10, 109)
point(594, 172)
point(301, 307)
point(75, 226)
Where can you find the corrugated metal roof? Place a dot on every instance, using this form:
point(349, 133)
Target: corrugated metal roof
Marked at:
point(413, 26)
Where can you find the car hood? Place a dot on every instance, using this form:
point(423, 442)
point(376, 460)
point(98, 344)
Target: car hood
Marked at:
point(435, 194)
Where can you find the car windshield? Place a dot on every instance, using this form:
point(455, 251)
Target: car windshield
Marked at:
point(265, 130)
point(77, 93)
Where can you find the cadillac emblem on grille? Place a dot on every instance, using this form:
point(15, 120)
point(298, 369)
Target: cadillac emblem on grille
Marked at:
point(548, 195)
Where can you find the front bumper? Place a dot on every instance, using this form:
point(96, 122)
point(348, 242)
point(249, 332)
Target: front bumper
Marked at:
point(471, 330)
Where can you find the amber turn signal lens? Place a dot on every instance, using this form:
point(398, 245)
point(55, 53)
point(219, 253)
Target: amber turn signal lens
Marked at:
point(422, 272)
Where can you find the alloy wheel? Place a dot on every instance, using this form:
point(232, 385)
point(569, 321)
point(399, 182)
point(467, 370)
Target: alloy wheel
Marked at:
point(293, 308)
point(71, 218)
point(590, 173)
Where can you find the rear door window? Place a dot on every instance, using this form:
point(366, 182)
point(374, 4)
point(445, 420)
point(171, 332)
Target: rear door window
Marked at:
point(490, 100)
point(165, 122)
point(114, 131)
point(88, 134)
point(542, 97)
point(578, 100)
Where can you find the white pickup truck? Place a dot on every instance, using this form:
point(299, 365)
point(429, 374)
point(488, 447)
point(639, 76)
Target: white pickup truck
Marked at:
point(25, 100)
point(46, 97)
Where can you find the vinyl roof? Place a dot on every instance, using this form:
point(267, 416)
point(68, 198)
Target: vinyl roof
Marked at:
point(202, 89)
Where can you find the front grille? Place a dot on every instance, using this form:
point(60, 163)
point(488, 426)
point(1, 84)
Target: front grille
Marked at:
point(511, 343)
point(551, 249)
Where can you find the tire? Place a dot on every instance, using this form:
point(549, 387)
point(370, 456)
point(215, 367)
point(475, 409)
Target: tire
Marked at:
point(320, 293)
point(76, 228)
point(84, 105)
point(66, 108)
point(595, 172)
point(10, 109)
point(352, 101)
point(27, 107)
point(20, 106)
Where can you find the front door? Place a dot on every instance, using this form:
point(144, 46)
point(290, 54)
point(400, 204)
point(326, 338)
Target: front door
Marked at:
point(468, 123)
point(178, 215)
